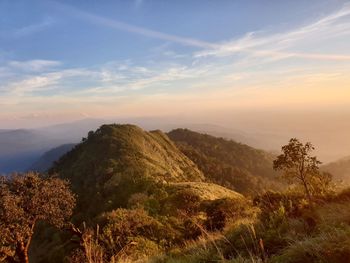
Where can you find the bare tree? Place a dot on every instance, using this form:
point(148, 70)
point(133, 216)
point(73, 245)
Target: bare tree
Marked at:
point(26, 199)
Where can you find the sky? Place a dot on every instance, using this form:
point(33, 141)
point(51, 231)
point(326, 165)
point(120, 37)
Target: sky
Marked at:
point(68, 60)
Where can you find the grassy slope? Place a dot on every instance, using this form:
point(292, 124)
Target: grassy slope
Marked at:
point(118, 160)
point(207, 191)
point(226, 162)
point(106, 169)
point(113, 164)
point(290, 241)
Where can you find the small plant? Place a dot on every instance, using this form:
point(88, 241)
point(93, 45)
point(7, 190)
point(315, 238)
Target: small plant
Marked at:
point(220, 211)
point(90, 250)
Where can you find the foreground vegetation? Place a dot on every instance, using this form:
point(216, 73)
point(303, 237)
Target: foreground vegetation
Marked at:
point(286, 229)
point(138, 197)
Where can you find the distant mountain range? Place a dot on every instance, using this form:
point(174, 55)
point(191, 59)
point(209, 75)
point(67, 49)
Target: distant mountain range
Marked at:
point(21, 148)
point(47, 160)
point(339, 169)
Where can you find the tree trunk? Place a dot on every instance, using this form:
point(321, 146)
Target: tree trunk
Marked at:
point(22, 253)
point(307, 192)
point(11, 260)
point(22, 247)
point(24, 257)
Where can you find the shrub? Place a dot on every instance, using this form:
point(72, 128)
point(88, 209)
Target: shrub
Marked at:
point(326, 247)
point(222, 210)
point(192, 228)
point(344, 195)
point(185, 202)
point(288, 204)
point(243, 241)
point(138, 248)
point(137, 201)
point(120, 225)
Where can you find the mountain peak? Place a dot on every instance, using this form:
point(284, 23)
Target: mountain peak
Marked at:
point(117, 160)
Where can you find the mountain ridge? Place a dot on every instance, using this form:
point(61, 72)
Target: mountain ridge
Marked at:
point(117, 160)
point(226, 162)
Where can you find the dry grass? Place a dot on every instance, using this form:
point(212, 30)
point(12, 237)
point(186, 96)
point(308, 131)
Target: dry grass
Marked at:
point(208, 191)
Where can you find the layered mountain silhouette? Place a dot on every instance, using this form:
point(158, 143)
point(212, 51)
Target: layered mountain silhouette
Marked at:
point(47, 160)
point(20, 148)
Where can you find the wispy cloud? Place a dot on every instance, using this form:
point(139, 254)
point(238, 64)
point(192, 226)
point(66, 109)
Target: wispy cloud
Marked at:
point(223, 74)
point(275, 46)
point(33, 83)
point(31, 29)
point(34, 65)
point(253, 44)
point(107, 80)
point(280, 45)
point(119, 25)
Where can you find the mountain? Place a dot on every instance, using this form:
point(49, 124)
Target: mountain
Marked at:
point(118, 160)
point(19, 149)
point(339, 169)
point(156, 193)
point(46, 161)
point(226, 162)
point(122, 172)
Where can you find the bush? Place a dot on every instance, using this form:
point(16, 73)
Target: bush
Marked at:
point(342, 196)
point(221, 211)
point(327, 247)
point(288, 204)
point(121, 226)
point(192, 228)
point(137, 201)
point(138, 248)
point(185, 202)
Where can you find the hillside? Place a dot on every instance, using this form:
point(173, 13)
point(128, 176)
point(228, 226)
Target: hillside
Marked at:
point(339, 169)
point(46, 161)
point(138, 175)
point(206, 191)
point(118, 160)
point(226, 162)
point(141, 197)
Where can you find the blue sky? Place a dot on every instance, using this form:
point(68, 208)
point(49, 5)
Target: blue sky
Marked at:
point(64, 60)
